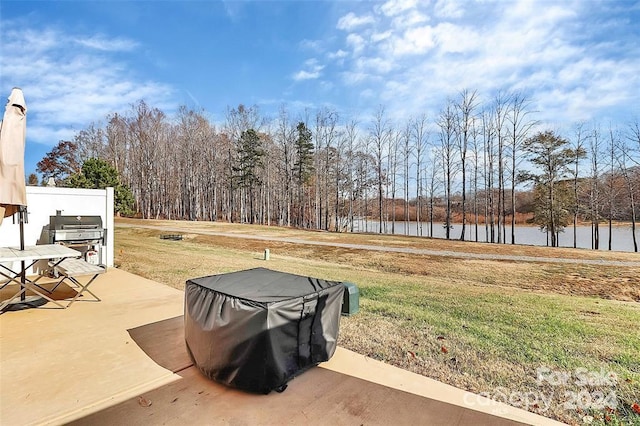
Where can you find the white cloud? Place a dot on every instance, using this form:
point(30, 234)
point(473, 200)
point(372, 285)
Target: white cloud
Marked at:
point(409, 19)
point(376, 37)
point(367, 93)
point(37, 41)
point(414, 41)
point(67, 88)
point(356, 42)
point(350, 21)
point(315, 45)
point(36, 132)
point(535, 14)
point(456, 38)
point(418, 54)
point(395, 7)
point(306, 75)
point(351, 77)
point(374, 65)
point(311, 62)
point(449, 9)
point(326, 85)
point(339, 54)
point(102, 42)
point(312, 71)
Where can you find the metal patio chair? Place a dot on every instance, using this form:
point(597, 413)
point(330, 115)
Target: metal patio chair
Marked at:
point(72, 270)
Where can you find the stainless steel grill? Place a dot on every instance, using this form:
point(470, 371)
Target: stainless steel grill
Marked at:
point(83, 233)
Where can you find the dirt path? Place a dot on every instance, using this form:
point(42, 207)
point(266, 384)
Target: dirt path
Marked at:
point(409, 250)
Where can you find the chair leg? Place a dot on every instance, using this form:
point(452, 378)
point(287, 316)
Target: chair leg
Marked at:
point(54, 287)
point(31, 287)
point(83, 288)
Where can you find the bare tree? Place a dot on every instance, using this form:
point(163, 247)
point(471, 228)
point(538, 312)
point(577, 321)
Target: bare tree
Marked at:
point(580, 152)
point(379, 135)
point(465, 111)
point(91, 142)
point(406, 161)
point(148, 130)
point(612, 195)
point(117, 149)
point(594, 190)
point(631, 176)
point(432, 167)
point(488, 140)
point(285, 136)
point(273, 192)
point(330, 136)
point(196, 156)
point(447, 124)
point(184, 167)
point(351, 135)
point(395, 141)
point(633, 136)
point(520, 124)
point(365, 178)
point(321, 166)
point(475, 150)
point(421, 139)
point(340, 179)
point(500, 114)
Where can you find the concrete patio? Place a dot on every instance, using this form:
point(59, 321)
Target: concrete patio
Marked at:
point(123, 361)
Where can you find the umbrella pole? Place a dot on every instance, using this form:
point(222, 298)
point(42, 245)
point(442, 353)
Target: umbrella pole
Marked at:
point(22, 213)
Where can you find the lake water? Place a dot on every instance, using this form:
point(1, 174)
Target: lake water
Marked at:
point(529, 235)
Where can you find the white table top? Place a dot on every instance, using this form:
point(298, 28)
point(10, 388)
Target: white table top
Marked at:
point(45, 251)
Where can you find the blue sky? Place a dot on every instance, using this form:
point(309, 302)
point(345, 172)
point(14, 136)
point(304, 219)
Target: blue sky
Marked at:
point(78, 61)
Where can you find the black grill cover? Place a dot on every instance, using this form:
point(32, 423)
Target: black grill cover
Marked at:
point(257, 329)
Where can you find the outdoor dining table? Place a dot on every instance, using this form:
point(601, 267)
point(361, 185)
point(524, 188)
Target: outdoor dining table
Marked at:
point(27, 258)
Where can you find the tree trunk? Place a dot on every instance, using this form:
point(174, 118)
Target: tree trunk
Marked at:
point(552, 223)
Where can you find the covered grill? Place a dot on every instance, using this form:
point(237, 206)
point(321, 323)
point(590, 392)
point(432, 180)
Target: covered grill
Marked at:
point(257, 329)
point(82, 233)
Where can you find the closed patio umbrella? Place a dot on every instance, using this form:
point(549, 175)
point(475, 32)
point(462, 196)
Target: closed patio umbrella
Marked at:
point(13, 129)
point(13, 192)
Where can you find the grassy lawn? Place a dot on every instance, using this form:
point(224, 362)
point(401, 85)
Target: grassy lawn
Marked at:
point(557, 339)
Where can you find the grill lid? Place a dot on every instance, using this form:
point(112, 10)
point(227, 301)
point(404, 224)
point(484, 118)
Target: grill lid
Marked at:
point(59, 222)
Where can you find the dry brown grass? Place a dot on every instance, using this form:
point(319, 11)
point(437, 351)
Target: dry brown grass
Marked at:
point(497, 320)
point(389, 240)
point(608, 282)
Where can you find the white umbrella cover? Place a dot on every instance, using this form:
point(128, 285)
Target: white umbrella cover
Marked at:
point(13, 130)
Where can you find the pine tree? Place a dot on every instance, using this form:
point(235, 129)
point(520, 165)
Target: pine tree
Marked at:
point(250, 162)
point(99, 174)
point(303, 165)
point(552, 156)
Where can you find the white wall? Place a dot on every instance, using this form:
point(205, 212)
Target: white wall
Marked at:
point(43, 202)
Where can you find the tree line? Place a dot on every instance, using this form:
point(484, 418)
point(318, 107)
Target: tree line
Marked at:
point(320, 170)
